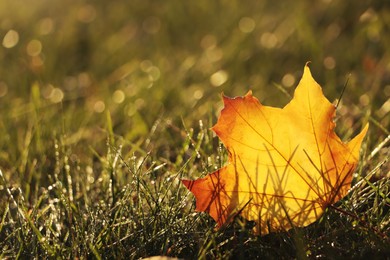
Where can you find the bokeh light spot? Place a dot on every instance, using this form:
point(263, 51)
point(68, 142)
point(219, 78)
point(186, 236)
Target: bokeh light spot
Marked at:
point(153, 72)
point(135, 106)
point(139, 103)
point(246, 25)
point(46, 92)
point(214, 54)
point(10, 39)
point(368, 15)
point(218, 78)
point(86, 14)
point(209, 41)
point(118, 96)
point(36, 62)
point(329, 63)
point(288, 80)
point(268, 40)
point(99, 106)
point(131, 110)
point(198, 94)
point(46, 26)
point(332, 32)
point(145, 65)
point(84, 80)
point(56, 95)
point(34, 48)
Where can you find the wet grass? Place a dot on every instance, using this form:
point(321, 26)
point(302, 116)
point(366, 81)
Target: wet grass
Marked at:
point(105, 107)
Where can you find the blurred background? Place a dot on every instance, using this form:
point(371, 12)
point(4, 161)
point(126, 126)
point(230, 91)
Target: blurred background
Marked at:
point(66, 66)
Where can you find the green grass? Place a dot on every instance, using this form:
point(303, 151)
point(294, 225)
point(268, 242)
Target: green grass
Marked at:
point(105, 107)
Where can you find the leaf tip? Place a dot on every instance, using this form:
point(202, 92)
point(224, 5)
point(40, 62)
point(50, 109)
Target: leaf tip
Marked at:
point(365, 129)
point(249, 93)
point(187, 183)
point(306, 70)
point(308, 80)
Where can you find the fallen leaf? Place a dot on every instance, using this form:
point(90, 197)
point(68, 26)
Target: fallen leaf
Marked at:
point(285, 165)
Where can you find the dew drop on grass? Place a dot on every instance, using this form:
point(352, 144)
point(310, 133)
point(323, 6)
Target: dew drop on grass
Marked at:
point(209, 160)
point(91, 179)
point(200, 124)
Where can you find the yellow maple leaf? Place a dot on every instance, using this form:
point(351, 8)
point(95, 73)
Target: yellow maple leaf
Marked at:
point(285, 165)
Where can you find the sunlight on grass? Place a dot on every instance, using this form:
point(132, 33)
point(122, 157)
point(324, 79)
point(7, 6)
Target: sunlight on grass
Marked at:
point(105, 106)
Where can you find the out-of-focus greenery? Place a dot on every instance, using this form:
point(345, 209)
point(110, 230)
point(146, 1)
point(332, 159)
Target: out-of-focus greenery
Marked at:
point(93, 93)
